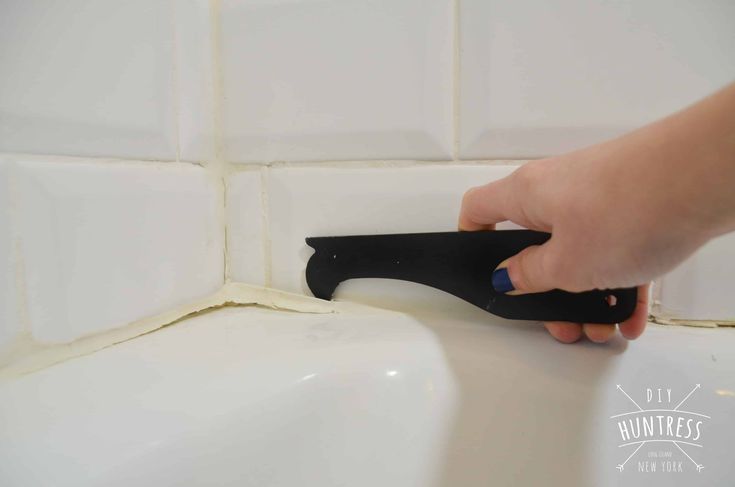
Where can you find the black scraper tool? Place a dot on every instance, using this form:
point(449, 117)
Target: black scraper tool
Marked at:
point(460, 263)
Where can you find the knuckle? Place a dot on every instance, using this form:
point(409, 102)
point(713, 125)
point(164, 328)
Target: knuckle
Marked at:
point(468, 196)
point(528, 175)
point(470, 206)
point(532, 268)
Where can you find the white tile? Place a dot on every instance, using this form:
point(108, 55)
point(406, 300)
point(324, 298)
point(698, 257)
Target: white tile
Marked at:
point(105, 244)
point(10, 325)
point(195, 75)
point(541, 77)
point(245, 235)
point(701, 287)
point(336, 79)
point(306, 202)
point(87, 77)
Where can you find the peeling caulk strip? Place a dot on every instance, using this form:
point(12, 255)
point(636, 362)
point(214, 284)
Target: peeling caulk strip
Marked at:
point(662, 320)
point(30, 356)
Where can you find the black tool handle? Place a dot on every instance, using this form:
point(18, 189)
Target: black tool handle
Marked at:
point(460, 263)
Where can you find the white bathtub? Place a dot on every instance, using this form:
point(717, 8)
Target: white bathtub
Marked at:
point(447, 396)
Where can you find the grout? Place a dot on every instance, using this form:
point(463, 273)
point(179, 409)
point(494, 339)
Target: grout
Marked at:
point(218, 166)
point(655, 295)
point(456, 60)
point(176, 81)
point(224, 218)
point(266, 228)
point(66, 159)
point(21, 289)
point(19, 269)
point(217, 87)
point(222, 168)
point(375, 163)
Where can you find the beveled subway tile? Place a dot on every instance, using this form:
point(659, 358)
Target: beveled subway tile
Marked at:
point(336, 80)
point(105, 244)
point(540, 78)
point(88, 78)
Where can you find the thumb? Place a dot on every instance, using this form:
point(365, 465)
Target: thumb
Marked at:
point(533, 270)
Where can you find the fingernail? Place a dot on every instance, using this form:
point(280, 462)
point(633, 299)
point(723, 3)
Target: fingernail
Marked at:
point(501, 281)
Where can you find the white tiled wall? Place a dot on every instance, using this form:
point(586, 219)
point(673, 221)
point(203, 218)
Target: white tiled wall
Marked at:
point(336, 79)
point(85, 246)
point(543, 77)
point(320, 201)
point(88, 77)
point(312, 80)
point(107, 244)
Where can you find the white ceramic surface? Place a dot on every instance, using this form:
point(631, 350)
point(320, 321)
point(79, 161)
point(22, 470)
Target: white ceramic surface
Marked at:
point(240, 397)
point(104, 244)
point(453, 396)
point(541, 77)
point(701, 288)
point(10, 324)
point(336, 80)
point(196, 75)
point(320, 201)
point(85, 77)
point(245, 233)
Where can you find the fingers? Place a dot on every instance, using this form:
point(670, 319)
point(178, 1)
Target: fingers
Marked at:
point(598, 333)
point(571, 332)
point(484, 206)
point(533, 270)
point(601, 333)
point(467, 220)
point(564, 332)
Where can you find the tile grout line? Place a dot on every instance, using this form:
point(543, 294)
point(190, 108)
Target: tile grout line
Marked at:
point(378, 164)
point(216, 78)
point(176, 81)
point(19, 268)
point(455, 78)
point(655, 295)
point(69, 159)
point(249, 166)
point(266, 228)
point(218, 167)
point(225, 231)
point(23, 341)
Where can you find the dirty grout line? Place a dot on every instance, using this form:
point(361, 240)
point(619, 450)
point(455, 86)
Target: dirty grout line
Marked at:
point(19, 268)
point(218, 166)
point(376, 163)
point(65, 159)
point(217, 85)
point(224, 218)
point(655, 296)
point(265, 222)
point(175, 81)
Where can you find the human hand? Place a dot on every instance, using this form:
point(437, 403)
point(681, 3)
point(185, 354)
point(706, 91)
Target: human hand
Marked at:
point(621, 213)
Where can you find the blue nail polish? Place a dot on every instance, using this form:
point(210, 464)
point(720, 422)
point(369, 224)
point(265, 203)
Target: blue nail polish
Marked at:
point(501, 281)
